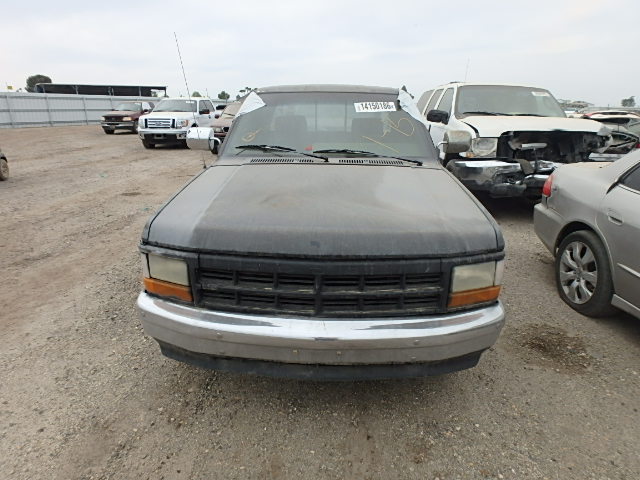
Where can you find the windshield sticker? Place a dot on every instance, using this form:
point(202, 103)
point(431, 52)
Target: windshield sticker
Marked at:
point(540, 94)
point(366, 107)
point(409, 105)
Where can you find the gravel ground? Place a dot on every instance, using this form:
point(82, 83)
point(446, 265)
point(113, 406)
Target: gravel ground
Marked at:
point(84, 394)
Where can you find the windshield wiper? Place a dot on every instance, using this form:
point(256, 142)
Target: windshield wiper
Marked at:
point(278, 148)
point(364, 152)
point(527, 115)
point(483, 113)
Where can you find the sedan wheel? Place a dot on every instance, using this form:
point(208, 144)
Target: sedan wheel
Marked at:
point(583, 274)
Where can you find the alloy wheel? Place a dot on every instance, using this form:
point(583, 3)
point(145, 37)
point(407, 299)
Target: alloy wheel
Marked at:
point(578, 272)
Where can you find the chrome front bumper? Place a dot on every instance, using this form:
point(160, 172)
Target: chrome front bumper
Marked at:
point(334, 342)
point(162, 133)
point(116, 125)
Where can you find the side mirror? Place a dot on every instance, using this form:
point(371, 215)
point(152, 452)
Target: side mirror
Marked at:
point(201, 138)
point(146, 110)
point(456, 141)
point(437, 116)
point(217, 115)
point(205, 111)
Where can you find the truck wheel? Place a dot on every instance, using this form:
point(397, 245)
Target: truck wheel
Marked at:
point(583, 274)
point(134, 129)
point(148, 144)
point(4, 169)
point(108, 131)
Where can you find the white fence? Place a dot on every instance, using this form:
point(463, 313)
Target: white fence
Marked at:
point(51, 109)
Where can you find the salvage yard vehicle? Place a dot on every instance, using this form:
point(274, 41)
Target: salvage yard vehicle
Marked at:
point(625, 129)
point(4, 166)
point(125, 116)
point(326, 242)
point(172, 117)
point(589, 218)
point(520, 135)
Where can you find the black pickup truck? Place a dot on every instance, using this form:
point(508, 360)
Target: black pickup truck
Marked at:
point(326, 242)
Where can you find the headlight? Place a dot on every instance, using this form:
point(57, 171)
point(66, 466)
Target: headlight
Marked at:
point(166, 277)
point(172, 270)
point(141, 122)
point(217, 129)
point(484, 147)
point(126, 119)
point(102, 118)
point(475, 283)
point(182, 123)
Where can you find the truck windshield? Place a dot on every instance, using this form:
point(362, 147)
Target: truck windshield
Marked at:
point(506, 100)
point(128, 107)
point(335, 123)
point(176, 106)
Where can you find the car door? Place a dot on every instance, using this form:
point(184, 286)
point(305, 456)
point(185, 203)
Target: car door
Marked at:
point(620, 224)
point(438, 129)
point(204, 119)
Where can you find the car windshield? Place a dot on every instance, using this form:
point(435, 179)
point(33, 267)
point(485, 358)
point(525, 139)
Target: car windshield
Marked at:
point(176, 106)
point(124, 107)
point(230, 110)
point(330, 123)
point(506, 100)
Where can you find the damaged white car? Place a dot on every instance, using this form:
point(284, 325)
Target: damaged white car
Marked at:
point(520, 135)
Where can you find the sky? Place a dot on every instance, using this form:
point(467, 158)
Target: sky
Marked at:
point(578, 49)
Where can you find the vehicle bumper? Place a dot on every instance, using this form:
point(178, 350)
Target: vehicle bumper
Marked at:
point(547, 223)
point(499, 178)
point(301, 347)
point(162, 135)
point(118, 125)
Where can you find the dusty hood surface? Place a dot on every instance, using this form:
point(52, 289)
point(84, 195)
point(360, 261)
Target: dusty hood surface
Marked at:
point(326, 210)
point(494, 126)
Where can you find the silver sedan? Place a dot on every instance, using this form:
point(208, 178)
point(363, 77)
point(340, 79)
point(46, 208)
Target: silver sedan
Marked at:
point(589, 218)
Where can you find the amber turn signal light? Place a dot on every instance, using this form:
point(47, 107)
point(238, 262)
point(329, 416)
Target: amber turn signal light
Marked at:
point(168, 289)
point(469, 297)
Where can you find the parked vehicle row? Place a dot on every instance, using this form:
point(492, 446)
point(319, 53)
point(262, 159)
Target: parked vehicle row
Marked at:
point(331, 240)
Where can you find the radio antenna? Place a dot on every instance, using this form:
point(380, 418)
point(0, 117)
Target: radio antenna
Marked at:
point(184, 75)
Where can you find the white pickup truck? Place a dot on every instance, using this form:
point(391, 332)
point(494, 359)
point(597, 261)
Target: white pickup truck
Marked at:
point(172, 117)
point(519, 134)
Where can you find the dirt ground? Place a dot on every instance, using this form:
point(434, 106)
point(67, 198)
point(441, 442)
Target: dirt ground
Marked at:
point(84, 394)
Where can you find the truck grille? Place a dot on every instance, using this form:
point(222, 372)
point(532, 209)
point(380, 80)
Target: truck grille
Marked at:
point(159, 122)
point(321, 288)
point(113, 119)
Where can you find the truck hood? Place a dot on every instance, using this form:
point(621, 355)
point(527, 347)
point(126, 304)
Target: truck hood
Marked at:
point(325, 210)
point(121, 113)
point(494, 126)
